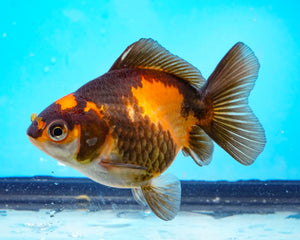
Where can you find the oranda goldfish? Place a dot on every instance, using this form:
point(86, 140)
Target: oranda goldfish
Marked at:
point(125, 128)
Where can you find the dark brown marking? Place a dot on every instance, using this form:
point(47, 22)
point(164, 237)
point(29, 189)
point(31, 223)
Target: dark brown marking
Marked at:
point(93, 133)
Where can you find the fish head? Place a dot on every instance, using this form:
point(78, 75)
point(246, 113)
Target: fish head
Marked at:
point(69, 132)
point(55, 133)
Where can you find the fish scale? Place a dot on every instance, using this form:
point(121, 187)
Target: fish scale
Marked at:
point(152, 147)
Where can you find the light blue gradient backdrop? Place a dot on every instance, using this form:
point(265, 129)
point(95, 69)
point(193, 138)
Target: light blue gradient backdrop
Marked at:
point(50, 48)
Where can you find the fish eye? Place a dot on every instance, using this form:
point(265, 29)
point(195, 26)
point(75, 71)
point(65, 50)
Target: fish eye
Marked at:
point(58, 130)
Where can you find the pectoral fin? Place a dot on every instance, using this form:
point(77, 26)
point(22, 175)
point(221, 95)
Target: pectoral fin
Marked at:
point(139, 196)
point(113, 164)
point(128, 172)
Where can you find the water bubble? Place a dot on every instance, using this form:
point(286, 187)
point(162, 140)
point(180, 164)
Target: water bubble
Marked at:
point(53, 60)
point(4, 35)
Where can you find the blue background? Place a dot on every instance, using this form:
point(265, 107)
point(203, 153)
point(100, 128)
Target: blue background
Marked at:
point(50, 48)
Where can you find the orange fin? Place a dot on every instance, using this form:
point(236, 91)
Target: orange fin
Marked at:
point(229, 121)
point(162, 195)
point(149, 54)
point(200, 146)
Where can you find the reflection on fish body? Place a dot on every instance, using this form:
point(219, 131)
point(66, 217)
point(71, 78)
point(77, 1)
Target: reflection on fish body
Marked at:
point(125, 128)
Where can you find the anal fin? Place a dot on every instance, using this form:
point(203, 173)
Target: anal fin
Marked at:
point(200, 146)
point(163, 196)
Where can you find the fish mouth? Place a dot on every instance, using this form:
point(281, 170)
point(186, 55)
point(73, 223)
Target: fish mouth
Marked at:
point(29, 131)
point(35, 142)
point(32, 140)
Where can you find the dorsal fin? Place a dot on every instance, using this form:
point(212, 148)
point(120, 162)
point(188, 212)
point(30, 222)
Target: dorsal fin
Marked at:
point(149, 54)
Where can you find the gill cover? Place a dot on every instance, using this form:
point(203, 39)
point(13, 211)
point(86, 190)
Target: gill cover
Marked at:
point(93, 131)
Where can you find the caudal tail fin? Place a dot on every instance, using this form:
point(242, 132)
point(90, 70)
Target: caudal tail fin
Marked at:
point(228, 119)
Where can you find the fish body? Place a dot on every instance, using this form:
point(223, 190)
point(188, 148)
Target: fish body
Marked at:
point(125, 128)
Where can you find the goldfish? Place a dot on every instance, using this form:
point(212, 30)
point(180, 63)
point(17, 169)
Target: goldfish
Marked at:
point(126, 127)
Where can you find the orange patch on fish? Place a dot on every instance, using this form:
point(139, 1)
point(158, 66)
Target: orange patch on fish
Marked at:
point(92, 106)
point(41, 123)
point(162, 103)
point(67, 102)
point(33, 117)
